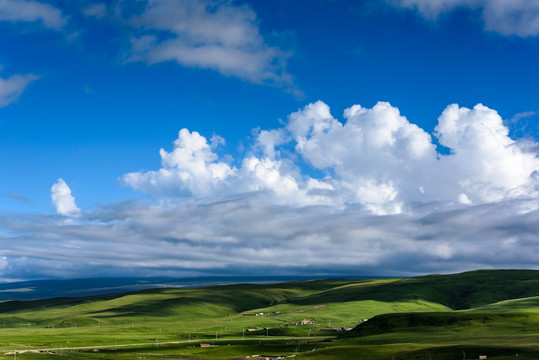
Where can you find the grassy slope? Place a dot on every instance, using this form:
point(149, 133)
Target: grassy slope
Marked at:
point(419, 314)
point(429, 293)
point(527, 304)
point(492, 324)
point(459, 291)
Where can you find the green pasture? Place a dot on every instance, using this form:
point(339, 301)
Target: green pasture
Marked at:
point(492, 313)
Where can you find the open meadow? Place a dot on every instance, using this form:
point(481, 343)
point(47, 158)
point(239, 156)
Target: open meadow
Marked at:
point(462, 316)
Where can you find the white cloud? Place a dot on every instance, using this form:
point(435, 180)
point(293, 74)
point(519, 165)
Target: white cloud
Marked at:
point(506, 17)
point(216, 141)
point(490, 165)
point(62, 199)
point(12, 87)
point(376, 159)
point(31, 11)
point(463, 199)
point(379, 159)
point(268, 140)
point(191, 168)
point(207, 34)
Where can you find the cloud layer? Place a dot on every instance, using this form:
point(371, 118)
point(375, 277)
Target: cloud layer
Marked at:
point(515, 17)
point(242, 235)
point(207, 34)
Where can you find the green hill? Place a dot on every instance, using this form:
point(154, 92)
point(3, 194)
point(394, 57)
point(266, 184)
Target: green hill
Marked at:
point(528, 304)
point(447, 323)
point(440, 314)
point(458, 292)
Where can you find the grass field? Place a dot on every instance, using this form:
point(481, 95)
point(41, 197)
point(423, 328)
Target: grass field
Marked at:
point(461, 316)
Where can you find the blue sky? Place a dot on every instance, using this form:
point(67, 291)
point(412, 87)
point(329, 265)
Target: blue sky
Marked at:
point(317, 137)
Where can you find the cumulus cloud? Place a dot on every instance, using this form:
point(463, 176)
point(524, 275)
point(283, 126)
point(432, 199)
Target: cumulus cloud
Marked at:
point(491, 165)
point(516, 17)
point(190, 168)
point(62, 199)
point(31, 11)
point(376, 159)
point(207, 34)
point(12, 87)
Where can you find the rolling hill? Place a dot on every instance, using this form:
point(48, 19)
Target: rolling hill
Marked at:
point(494, 310)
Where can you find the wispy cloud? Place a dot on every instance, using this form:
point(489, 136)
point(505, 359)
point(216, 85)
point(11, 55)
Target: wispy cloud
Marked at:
point(16, 196)
point(12, 87)
point(208, 34)
point(31, 11)
point(523, 115)
point(516, 17)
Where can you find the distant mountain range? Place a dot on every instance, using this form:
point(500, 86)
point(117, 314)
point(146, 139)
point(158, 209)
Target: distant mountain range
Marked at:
point(44, 289)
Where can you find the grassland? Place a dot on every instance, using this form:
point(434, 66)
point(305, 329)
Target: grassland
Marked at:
point(493, 313)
